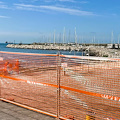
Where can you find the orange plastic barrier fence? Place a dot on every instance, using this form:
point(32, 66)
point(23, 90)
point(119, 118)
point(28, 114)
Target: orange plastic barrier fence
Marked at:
point(66, 87)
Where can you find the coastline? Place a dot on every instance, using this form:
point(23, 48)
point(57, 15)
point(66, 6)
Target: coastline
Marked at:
point(89, 50)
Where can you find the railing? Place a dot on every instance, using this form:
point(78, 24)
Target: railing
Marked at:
point(62, 86)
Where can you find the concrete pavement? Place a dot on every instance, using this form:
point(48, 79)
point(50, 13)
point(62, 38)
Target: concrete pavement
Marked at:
point(12, 112)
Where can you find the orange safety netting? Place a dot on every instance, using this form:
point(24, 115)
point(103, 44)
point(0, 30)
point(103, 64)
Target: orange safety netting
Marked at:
point(72, 87)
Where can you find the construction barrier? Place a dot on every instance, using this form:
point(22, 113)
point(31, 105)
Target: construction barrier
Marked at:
point(62, 86)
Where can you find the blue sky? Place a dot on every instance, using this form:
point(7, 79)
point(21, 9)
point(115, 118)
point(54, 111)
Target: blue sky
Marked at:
point(30, 21)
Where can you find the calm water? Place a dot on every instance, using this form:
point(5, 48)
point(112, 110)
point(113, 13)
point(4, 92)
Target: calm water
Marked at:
point(3, 48)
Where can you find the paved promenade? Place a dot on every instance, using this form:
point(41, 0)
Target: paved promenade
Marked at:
point(12, 112)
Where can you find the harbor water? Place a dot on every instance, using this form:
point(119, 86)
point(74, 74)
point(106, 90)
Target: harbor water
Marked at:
point(4, 48)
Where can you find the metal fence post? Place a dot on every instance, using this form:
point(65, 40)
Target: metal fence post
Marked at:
point(58, 85)
point(0, 87)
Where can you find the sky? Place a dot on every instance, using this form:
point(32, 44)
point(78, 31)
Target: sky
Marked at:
point(86, 21)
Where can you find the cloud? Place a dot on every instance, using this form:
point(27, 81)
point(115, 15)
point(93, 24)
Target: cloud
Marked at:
point(46, 8)
point(29, 7)
point(83, 2)
point(3, 5)
point(72, 1)
point(3, 16)
point(23, 1)
point(59, 1)
point(54, 1)
point(67, 0)
point(67, 10)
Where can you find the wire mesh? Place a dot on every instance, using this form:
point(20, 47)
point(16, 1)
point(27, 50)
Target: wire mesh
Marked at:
point(91, 89)
point(33, 83)
point(71, 87)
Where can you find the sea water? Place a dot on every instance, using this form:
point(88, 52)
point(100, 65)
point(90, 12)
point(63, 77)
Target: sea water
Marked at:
point(4, 48)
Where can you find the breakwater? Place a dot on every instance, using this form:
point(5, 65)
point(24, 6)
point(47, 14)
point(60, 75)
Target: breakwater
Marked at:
point(49, 47)
point(101, 51)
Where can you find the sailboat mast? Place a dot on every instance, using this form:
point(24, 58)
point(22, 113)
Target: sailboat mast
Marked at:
point(69, 37)
point(54, 37)
point(112, 37)
point(64, 35)
point(75, 36)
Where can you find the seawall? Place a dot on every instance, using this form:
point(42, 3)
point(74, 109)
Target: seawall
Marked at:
point(90, 50)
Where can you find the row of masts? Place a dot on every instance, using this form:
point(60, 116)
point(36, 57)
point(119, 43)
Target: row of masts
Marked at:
point(112, 38)
point(61, 38)
point(64, 37)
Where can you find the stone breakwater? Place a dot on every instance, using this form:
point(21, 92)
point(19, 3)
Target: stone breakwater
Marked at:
point(48, 47)
point(100, 51)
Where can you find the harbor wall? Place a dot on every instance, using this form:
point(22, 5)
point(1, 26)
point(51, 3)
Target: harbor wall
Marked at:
point(89, 50)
